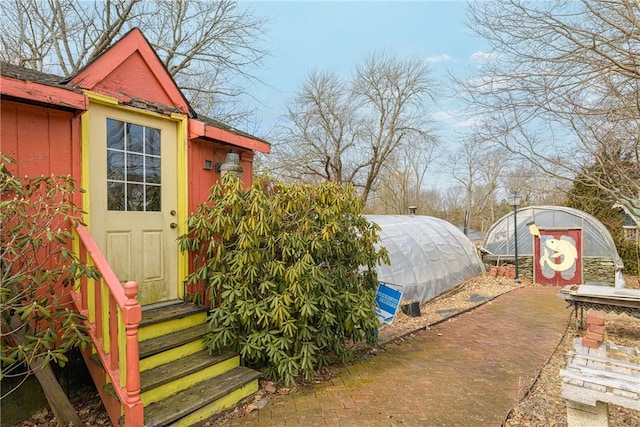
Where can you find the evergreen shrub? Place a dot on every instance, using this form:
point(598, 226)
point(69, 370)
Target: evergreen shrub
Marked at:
point(290, 273)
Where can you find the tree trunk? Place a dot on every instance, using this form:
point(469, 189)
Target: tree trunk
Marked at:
point(58, 401)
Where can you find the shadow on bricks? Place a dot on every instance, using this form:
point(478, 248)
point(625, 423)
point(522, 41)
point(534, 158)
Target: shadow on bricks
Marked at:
point(468, 371)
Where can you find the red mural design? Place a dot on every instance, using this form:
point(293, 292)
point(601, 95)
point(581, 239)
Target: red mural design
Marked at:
point(558, 257)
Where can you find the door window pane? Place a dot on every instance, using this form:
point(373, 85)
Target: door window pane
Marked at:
point(152, 141)
point(115, 134)
point(153, 198)
point(115, 196)
point(134, 138)
point(152, 170)
point(135, 197)
point(133, 167)
point(115, 165)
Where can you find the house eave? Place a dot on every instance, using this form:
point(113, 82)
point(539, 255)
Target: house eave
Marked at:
point(134, 41)
point(41, 94)
point(632, 213)
point(201, 130)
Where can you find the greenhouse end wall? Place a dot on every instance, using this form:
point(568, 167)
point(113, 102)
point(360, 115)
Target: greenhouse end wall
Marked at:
point(562, 246)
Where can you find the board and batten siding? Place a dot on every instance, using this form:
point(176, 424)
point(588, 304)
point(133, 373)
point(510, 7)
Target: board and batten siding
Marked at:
point(200, 179)
point(42, 141)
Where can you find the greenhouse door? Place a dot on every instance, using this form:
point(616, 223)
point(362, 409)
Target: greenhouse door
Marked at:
point(558, 257)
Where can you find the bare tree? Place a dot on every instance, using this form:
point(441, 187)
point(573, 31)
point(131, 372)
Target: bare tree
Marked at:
point(431, 203)
point(207, 46)
point(452, 205)
point(535, 186)
point(403, 180)
point(347, 131)
point(562, 91)
point(479, 169)
point(393, 193)
point(321, 131)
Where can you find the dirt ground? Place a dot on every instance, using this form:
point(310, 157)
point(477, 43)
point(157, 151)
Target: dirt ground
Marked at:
point(542, 406)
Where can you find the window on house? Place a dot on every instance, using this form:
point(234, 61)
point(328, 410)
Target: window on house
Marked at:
point(631, 233)
point(133, 167)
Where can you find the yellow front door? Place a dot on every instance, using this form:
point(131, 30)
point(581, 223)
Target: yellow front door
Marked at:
point(133, 198)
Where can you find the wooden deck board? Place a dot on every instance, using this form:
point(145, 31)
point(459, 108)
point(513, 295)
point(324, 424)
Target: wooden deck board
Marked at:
point(174, 311)
point(185, 402)
point(166, 342)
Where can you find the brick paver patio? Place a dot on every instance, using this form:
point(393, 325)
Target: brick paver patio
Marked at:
point(469, 371)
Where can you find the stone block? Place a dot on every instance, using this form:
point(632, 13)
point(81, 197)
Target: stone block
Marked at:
point(580, 415)
point(590, 343)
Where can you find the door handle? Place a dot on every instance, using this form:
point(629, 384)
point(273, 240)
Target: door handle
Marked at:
point(173, 225)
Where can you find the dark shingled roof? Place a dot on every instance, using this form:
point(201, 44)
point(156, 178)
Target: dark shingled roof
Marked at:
point(25, 74)
point(21, 73)
point(220, 125)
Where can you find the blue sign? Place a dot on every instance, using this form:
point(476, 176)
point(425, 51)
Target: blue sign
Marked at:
point(387, 301)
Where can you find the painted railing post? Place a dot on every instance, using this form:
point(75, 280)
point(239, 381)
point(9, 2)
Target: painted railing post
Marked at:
point(132, 315)
point(109, 306)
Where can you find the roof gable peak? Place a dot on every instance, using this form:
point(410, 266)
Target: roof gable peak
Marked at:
point(131, 69)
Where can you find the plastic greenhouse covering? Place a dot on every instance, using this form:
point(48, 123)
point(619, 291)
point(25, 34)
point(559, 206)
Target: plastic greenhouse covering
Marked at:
point(427, 255)
point(596, 240)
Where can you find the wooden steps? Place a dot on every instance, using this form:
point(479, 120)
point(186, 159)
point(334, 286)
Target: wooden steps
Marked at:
point(170, 318)
point(181, 383)
point(172, 340)
point(203, 399)
point(165, 380)
point(168, 372)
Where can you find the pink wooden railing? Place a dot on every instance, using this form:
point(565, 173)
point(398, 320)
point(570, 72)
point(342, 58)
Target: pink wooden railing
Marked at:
point(113, 315)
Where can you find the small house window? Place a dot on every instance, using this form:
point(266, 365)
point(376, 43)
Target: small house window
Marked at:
point(631, 233)
point(133, 167)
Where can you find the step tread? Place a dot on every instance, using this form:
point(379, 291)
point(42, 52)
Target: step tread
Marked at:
point(185, 402)
point(175, 339)
point(171, 371)
point(174, 311)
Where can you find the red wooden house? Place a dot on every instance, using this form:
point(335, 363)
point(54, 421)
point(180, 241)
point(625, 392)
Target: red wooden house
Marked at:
point(123, 129)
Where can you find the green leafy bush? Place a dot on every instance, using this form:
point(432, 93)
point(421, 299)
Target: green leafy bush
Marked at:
point(290, 273)
point(37, 271)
